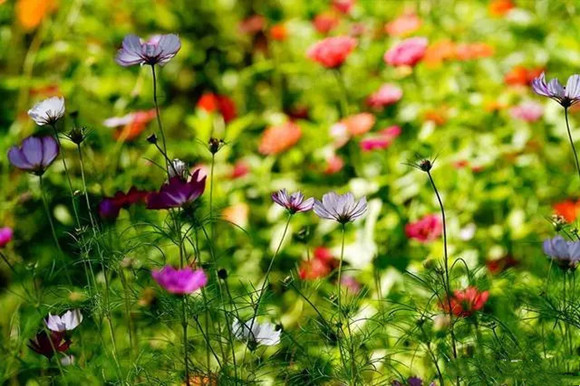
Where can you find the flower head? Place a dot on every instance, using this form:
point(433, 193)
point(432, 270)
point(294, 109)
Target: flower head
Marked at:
point(180, 281)
point(387, 95)
point(382, 141)
point(110, 207)
point(211, 102)
point(5, 236)
point(256, 333)
point(157, 50)
point(332, 52)
point(465, 302)
point(67, 322)
point(278, 139)
point(403, 25)
point(564, 253)
point(47, 345)
point(426, 229)
point(527, 111)
point(35, 154)
point(407, 53)
point(566, 96)
point(177, 192)
point(319, 266)
point(340, 207)
point(48, 111)
point(294, 202)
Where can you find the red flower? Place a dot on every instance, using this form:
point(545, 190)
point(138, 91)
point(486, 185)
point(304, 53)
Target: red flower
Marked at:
point(499, 265)
point(131, 125)
point(211, 102)
point(470, 51)
point(319, 266)
point(43, 343)
point(409, 52)
point(382, 141)
point(568, 209)
point(387, 95)
point(241, 168)
point(325, 22)
point(332, 52)
point(426, 229)
point(465, 302)
point(343, 6)
point(278, 32)
point(252, 24)
point(500, 8)
point(520, 75)
point(277, 139)
point(334, 164)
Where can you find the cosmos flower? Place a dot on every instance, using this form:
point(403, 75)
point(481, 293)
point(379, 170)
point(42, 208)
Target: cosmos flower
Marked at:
point(564, 253)
point(406, 53)
point(340, 207)
point(278, 139)
point(426, 229)
point(110, 207)
point(332, 52)
point(5, 236)
point(387, 95)
point(67, 322)
point(223, 104)
point(527, 111)
point(35, 154)
point(566, 96)
point(403, 25)
point(265, 334)
point(294, 202)
point(465, 302)
point(177, 192)
point(43, 343)
point(48, 111)
point(160, 49)
point(180, 281)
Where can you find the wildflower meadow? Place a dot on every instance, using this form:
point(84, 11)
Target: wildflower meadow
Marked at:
point(289, 192)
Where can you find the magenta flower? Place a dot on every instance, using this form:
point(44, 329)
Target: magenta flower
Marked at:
point(35, 154)
point(5, 236)
point(177, 192)
point(332, 52)
point(566, 96)
point(407, 53)
point(340, 207)
point(426, 229)
point(387, 95)
point(294, 202)
point(381, 141)
point(157, 50)
point(180, 281)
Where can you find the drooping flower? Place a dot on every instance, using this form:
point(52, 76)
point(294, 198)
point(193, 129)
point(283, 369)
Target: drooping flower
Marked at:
point(67, 322)
point(387, 95)
point(48, 111)
point(277, 139)
point(223, 104)
point(265, 334)
point(110, 207)
point(294, 202)
point(35, 154)
point(426, 229)
point(180, 281)
point(321, 264)
point(381, 141)
point(566, 96)
point(130, 126)
point(177, 192)
point(340, 207)
point(407, 53)
point(159, 49)
point(465, 302)
point(403, 25)
point(5, 236)
point(527, 111)
point(332, 52)
point(566, 254)
point(43, 343)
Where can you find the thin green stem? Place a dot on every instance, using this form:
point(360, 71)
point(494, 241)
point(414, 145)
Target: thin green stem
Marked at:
point(572, 141)
point(185, 348)
point(70, 185)
point(158, 115)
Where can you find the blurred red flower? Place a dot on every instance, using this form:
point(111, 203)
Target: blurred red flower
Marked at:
point(277, 139)
point(332, 52)
point(426, 229)
point(382, 141)
point(500, 8)
point(211, 102)
point(278, 32)
point(334, 164)
point(499, 265)
point(343, 6)
point(470, 51)
point(241, 168)
point(319, 266)
point(465, 302)
point(522, 76)
point(568, 209)
point(325, 22)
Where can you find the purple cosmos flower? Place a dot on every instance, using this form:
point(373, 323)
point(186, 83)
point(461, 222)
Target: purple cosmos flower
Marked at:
point(34, 155)
point(177, 192)
point(566, 96)
point(180, 281)
point(5, 236)
point(294, 202)
point(340, 207)
point(157, 50)
point(564, 253)
point(48, 111)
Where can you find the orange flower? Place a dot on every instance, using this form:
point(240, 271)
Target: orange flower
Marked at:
point(520, 75)
point(500, 8)
point(493, 106)
point(438, 117)
point(237, 214)
point(403, 25)
point(277, 139)
point(133, 124)
point(438, 52)
point(568, 209)
point(31, 13)
point(469, 51)
point(278, 32)
point(359, 123)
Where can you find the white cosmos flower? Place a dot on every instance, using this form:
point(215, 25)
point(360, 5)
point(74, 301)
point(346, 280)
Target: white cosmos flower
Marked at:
point(68, 321)
point(260, 333)
point(178, 168)
point(48, 111)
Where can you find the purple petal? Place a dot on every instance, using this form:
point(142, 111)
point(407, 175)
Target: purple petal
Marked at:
point(573, 87)
point(18, 159)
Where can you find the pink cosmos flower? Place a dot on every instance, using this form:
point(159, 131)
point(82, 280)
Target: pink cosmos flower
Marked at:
point(387, 95)
point(527, 111)
point(5, 236)
point(180, 281)
point(332, 52)
point(381, 141)
point(407, 53)
point(426, 229)
point(403, 25)
point(465, 302)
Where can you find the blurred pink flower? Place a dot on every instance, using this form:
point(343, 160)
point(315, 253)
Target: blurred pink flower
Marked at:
point(325, 22)
point(407, 53)
point(5, 236)
point(381, 141)
point(334, 164)
point(403, 25)
point(180, 281)
point(426, 229)
point(350, 283)
point(387, 95)
point(343, 6)
point(527, 111)
point(241, 168)
point(332, 52)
